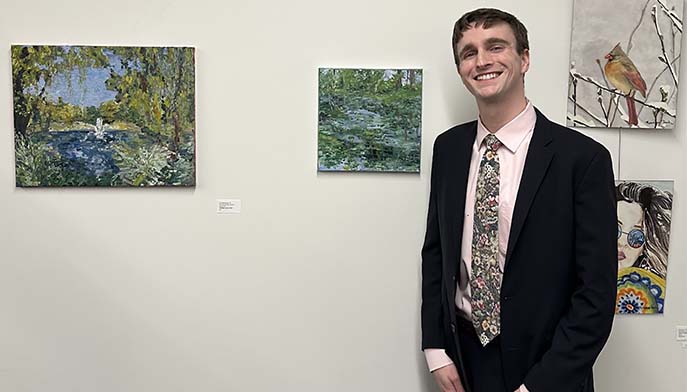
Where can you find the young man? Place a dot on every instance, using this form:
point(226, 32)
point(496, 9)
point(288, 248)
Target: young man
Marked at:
point(519, 262)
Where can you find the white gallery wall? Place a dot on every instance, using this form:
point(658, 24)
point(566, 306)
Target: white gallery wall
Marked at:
point(315, 286)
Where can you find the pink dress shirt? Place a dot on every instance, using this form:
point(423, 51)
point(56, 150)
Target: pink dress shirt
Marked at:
point(515, 137)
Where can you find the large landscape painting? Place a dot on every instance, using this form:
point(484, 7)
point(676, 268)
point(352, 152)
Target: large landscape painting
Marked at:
point(102, 116)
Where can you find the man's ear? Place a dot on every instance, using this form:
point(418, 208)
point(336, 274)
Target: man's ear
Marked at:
point(525, 60)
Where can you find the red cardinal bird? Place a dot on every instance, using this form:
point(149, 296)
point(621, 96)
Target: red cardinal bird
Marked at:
point(623, 74)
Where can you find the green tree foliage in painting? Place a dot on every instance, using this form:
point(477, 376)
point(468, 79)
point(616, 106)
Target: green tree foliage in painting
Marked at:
point(34, 69)
point(156, 89)
point(370, 119)
point(151, 118)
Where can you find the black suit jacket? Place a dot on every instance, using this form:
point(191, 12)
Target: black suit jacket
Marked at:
point(559, 282)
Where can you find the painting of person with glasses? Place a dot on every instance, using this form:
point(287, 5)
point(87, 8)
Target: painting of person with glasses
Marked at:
point(644, 215)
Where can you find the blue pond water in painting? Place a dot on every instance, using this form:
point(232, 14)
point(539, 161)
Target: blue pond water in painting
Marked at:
point(83, 150)
point(88, 155)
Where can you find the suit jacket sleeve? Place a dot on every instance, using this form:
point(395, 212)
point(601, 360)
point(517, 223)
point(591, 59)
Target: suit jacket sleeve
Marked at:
point(431, 309)
point(585, 327)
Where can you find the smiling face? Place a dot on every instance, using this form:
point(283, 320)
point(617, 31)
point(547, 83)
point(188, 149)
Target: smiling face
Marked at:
point(630, 216)
point(490, 66)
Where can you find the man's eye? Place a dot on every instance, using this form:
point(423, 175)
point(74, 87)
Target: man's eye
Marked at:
point(496, 48)
point(469, 54)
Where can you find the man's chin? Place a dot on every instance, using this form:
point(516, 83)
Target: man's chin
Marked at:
point(489, 97)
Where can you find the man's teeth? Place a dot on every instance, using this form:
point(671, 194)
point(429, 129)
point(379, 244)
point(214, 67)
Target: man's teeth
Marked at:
point(487, 76)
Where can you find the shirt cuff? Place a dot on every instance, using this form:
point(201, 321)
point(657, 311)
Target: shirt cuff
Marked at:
point(523, 388)
point(436, 358)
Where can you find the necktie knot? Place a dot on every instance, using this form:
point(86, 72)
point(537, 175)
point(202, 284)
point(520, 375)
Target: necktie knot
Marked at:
point(492, 142)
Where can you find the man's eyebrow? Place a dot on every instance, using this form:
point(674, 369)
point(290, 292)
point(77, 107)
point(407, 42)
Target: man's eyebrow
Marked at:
point(466, 48)
point(491, 41)
point(488, 41)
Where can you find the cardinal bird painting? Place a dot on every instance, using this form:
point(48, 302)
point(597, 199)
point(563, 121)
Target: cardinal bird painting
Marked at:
point(625, 74)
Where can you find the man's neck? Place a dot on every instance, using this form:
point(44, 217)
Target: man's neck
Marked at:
point(496, 115)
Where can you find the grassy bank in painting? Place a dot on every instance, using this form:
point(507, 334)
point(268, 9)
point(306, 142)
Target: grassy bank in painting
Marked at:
point(369, 120)
point(104, 116)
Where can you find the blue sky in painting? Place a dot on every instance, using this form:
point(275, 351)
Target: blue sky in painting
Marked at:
point(89, 91)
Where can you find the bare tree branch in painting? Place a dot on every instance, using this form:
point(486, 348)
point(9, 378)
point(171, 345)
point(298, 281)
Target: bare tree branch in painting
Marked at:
point(600, 100)
point(591, 80)
point(641, 17)
point(670, 13)
point(673, 32)
point(577, 119)
point(592, 115)
point(601, 71)
point(664, 58)
point(653, 84)
point(611, 98)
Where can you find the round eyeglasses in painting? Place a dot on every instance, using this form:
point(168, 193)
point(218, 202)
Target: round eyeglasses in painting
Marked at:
point(635, 237)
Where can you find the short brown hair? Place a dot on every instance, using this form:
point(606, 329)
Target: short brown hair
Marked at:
point(487, 17)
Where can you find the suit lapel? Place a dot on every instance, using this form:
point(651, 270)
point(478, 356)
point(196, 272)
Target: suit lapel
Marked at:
point(456, 186)
point(537, 162)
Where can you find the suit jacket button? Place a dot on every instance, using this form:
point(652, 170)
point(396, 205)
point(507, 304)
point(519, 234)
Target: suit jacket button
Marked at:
point(453, 278)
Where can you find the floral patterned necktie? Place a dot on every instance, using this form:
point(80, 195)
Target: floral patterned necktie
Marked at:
point(485, 280)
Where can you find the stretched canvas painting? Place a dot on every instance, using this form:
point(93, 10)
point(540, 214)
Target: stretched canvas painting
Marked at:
point(644, 216)
point(369, 120)
point(625, 60)
point(104, 116)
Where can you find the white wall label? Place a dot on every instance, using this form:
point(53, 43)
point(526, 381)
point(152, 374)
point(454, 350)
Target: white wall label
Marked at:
point(681, 335)
point(228, 206)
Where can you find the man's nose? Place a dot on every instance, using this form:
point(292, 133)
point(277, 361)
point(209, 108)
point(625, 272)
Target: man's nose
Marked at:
point(483, 59)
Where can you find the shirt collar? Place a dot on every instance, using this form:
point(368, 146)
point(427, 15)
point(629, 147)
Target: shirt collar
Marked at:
point(514, 132)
